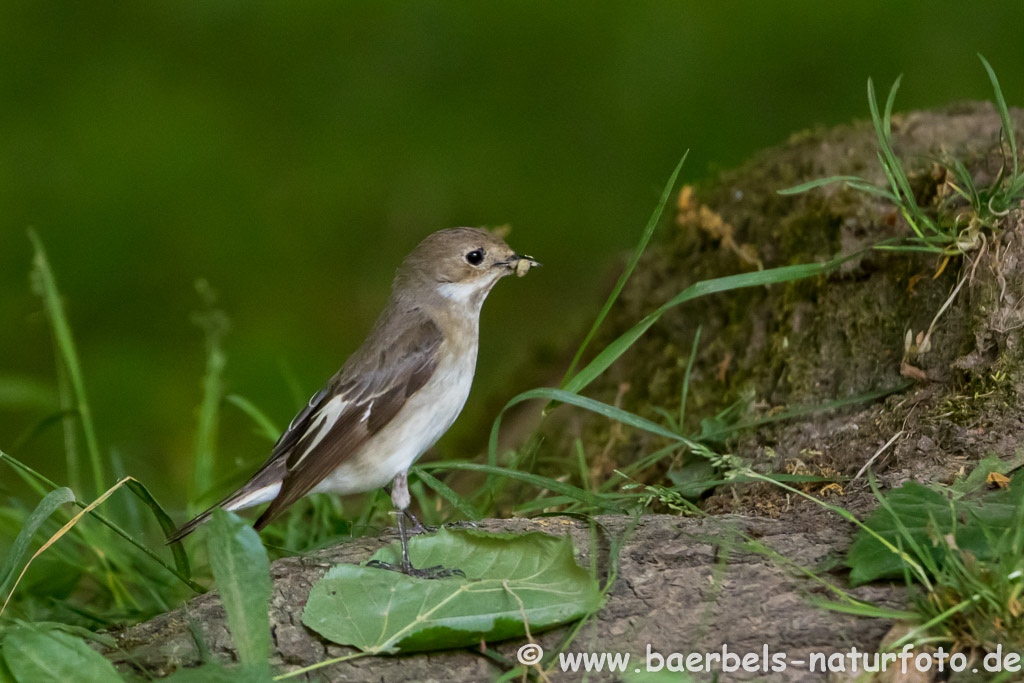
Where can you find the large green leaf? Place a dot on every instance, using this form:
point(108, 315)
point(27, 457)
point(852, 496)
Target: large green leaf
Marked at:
point(5, 673)
point(34, 655)
point(242, 572)
point(510, 580)
point(913, 517)
point(212, 672)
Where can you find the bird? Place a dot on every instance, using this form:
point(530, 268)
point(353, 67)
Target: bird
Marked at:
point(396, 395)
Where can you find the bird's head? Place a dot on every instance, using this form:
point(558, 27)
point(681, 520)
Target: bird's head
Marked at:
point(462, 264)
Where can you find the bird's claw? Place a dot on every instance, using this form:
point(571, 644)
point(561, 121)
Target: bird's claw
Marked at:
point(464, 524)
point(436, 572)
point(420, 528)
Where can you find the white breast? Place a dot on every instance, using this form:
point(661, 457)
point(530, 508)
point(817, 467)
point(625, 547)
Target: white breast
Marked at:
point(424, 418)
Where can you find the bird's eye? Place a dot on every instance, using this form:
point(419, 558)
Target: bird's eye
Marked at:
point(475, 257)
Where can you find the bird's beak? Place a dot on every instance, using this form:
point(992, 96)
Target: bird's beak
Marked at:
point(521, 264)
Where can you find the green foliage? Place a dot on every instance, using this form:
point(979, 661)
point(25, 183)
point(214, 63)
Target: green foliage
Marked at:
point(47, 506)
point(35, 654)
point(45, 286)
point(242, 572)
point(181, 561)
point(263, 424)
point(986, 468)
point(241, 569)
point(972, 549)
point(1007, 191)
point(917, 517)
point(619, 346)
point(514, 584)
point(460, 503)
point(119, 569)
point(638, 251)
point(213, 673)
point(693, 477)
point(214, 324)
point(953, 226)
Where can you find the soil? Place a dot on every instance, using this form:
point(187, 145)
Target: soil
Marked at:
point(687, 585)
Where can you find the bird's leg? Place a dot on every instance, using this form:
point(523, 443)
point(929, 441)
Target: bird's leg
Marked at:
point(401, 499)
point(417, 526)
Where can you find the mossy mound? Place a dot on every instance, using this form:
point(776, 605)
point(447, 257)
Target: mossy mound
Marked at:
point(837, 337)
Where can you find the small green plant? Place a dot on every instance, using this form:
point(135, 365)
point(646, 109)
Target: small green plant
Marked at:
point(958, 221)
point(48, 651)
point(962, 553)
point(960, 549)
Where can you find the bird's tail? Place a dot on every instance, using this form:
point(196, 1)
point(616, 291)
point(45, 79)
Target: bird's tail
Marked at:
point(262, 488)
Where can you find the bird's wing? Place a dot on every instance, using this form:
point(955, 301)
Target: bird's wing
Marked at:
point(356, 404)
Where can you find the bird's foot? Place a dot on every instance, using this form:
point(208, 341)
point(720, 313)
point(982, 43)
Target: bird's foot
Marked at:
point(420, 528)
point(463, 524)
point(437, 572)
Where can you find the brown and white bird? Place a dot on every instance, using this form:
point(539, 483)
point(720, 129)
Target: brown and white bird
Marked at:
point(397, 394)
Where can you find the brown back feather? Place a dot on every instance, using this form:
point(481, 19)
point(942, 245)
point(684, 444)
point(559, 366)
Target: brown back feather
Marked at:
point(382, 384)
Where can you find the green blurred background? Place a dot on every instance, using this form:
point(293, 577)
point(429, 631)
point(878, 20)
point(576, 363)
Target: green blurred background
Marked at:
point(292, 153)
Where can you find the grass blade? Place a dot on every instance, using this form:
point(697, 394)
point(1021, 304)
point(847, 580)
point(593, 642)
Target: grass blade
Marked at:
point(46, 507)
point(872, 190)
point(968, 190)
point(820, 182)
point(1004, 113)
point(535, 480)
point(613, 351)
point(165, 522)
point(802, 411)
point(645, 238)
point(883, 131)
point(686, 377)
point(458, 502)
point(264, 425)
point(32, 474)
point(60, 534)
point(923, 247)
point(894, 169)
point(588, 404)
point(862, 609)
point(46, 287)
point(214, 325)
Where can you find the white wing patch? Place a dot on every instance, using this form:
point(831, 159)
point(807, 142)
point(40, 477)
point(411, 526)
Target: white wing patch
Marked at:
point(321, 424)
point(263, 495)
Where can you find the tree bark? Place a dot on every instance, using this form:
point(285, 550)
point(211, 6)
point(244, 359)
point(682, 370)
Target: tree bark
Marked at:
point(683, 585)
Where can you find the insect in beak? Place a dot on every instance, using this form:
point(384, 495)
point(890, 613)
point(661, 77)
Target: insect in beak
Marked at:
point(521, 264)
